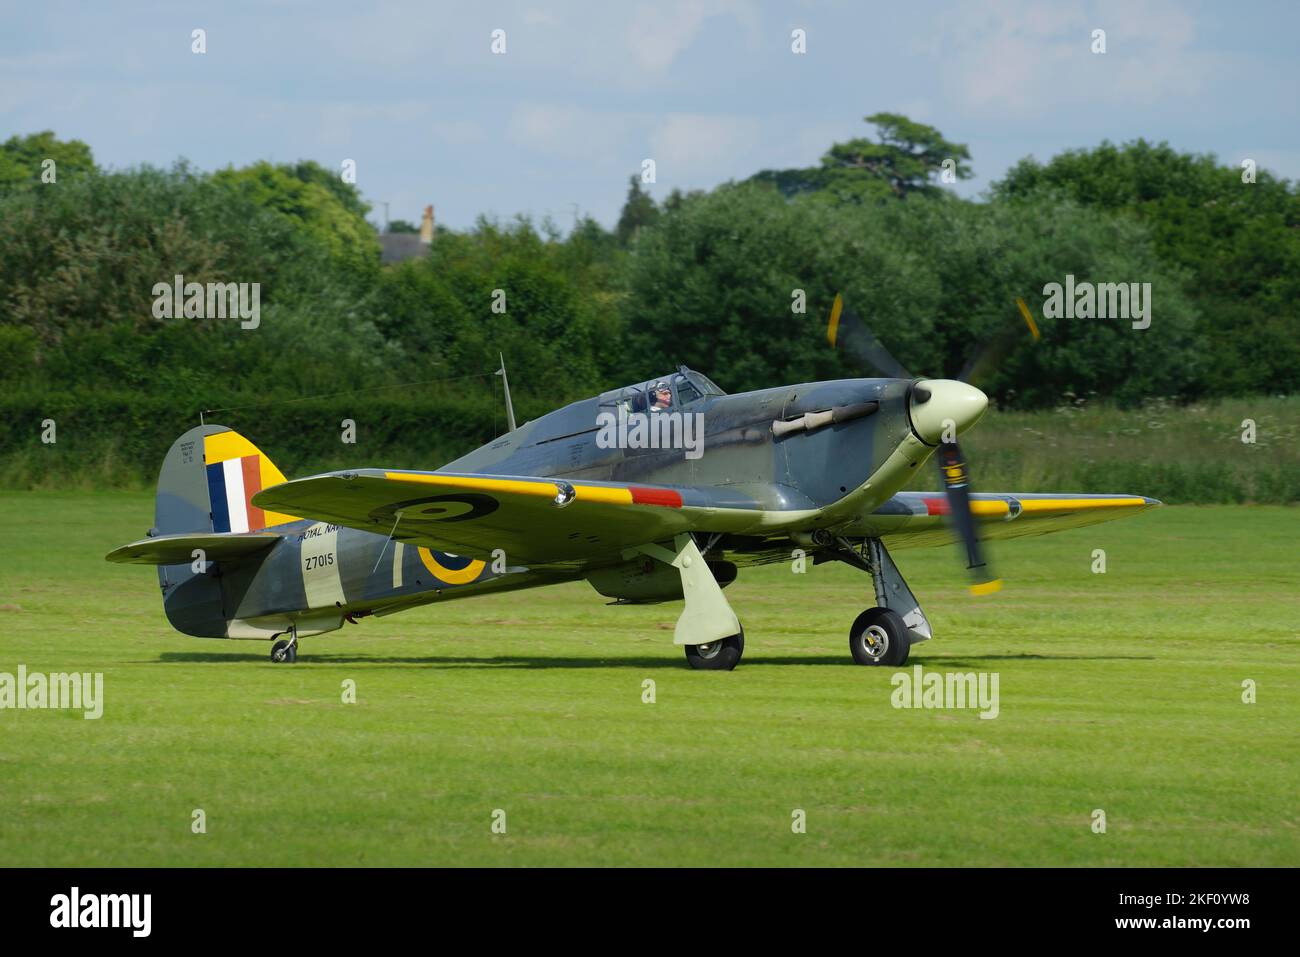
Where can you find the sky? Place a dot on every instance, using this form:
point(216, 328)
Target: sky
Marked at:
point(586, 91)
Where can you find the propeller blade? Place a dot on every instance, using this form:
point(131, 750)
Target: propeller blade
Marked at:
point(956, 483)
point(991, 355)
point(847, 331)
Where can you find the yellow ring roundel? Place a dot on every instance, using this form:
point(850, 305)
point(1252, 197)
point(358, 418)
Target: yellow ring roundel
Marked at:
point(463, 572)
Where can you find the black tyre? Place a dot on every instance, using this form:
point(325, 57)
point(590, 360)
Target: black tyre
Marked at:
point(721, 655)
point(284, 653)
point(879, 637)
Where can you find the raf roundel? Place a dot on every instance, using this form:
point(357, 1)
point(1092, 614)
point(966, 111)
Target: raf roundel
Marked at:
point(451, 569)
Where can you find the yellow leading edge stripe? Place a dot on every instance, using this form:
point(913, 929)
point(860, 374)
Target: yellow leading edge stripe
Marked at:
point(1071, 504)
point(999, 507)
point(623, 496)
point(589, 493)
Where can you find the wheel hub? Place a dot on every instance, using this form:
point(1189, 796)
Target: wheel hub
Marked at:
point(875, 641)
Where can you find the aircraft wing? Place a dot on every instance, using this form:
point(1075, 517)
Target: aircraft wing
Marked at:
point(534, 520)
point(913, 519)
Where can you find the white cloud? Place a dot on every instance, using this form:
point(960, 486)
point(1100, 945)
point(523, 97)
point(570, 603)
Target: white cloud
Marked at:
point(338, 120)
point(573, 132)
point(693, 148)
point(659, 32)
point(1026, 58)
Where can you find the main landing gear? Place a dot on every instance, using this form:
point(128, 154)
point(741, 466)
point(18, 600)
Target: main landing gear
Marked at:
point(883, 635)
point(285, 651)
point(706, 614)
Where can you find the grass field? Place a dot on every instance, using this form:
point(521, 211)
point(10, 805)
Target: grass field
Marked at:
point(1119, 691)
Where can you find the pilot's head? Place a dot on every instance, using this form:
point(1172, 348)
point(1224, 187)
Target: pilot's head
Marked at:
point(663, 395)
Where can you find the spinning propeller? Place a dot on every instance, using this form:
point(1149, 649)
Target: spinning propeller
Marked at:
point(939, 409)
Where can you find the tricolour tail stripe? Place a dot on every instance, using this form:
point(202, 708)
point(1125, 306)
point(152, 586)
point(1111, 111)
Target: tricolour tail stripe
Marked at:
point(236, 472)
point(231, 487)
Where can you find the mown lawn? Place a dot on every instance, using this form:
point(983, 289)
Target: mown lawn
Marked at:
point(1119, 691)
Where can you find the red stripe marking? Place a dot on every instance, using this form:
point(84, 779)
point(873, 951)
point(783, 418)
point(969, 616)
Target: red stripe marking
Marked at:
point(655, 496)
point(936, 506)
point(252, 468)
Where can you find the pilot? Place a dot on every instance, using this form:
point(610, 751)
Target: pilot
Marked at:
point(663, 398)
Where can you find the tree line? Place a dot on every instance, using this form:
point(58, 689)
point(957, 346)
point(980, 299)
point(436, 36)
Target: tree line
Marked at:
point(735, 281)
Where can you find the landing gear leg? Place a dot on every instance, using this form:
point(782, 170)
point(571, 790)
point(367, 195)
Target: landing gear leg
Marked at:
point(286, 651)
point(707, 626)
point(883, 635)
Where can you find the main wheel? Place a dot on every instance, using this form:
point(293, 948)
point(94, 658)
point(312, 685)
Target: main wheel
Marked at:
point(879, 637)
point(721, 655)
point(283, 652)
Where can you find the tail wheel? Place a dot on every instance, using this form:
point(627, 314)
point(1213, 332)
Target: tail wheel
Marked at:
point(284, 652)
point(721, 655)
point(879, 637)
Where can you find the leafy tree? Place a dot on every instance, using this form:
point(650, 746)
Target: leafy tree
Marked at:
point(21, 159)
point(639, 212)
point(1237, 243)
point(990, 254)
point(903, 163)
point(81, 261)
point(402, 226)
point(309, 171)
point(714, 285)
point(324, 206)
point(558, 319)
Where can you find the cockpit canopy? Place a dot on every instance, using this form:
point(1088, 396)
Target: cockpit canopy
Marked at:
point(685, 387)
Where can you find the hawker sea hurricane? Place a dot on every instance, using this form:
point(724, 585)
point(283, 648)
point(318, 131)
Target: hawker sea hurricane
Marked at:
point(817, 467)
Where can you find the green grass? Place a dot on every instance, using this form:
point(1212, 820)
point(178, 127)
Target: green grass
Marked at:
point(1119, 691)
point(1176, 453)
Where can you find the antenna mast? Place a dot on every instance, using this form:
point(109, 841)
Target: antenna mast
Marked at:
point(505, 385)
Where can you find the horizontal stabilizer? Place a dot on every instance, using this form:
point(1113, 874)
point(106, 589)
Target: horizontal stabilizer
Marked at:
point(179, 549)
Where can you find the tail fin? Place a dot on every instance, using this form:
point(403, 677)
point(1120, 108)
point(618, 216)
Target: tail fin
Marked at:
point(207, 483)
point(203, 508)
